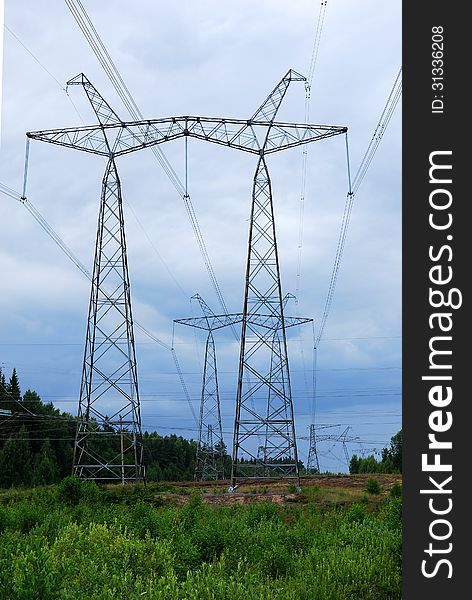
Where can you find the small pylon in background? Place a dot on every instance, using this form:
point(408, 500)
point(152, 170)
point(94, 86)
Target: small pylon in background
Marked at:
point(210, 437)
point(210, 454)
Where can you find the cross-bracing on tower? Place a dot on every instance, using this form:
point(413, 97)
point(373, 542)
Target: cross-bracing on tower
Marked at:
point(264, 404)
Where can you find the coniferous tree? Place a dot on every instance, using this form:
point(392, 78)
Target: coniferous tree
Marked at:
point(3, 391)
point(15, 460)
point(45, 468)
point(354, 464)
point(14, 392)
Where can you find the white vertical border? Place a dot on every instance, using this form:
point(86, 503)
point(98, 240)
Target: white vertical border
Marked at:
point(2, 15)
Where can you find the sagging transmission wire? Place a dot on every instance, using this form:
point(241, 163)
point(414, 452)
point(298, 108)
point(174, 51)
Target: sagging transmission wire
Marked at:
point(308, 86)
point(354, 185)
point(379, 132)
point(94, 40)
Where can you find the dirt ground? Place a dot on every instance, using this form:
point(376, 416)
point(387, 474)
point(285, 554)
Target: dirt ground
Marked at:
point(324, 489)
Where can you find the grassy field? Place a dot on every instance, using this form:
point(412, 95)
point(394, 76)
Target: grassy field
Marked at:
point(330, 541)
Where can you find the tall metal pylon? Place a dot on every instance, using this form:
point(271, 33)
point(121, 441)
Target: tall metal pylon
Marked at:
point(260, 135)
point(108, 444)
point(264, 401)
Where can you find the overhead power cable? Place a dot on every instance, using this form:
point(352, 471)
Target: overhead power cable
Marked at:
point(384, 120)
point(379, 132)
point(94, 40)
point(359, 176)
point(308, 84)
point(45, 69)
point(316, 43)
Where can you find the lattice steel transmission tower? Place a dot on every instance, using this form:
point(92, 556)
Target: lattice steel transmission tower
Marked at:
point(344, 438)
point(313, 463)
point(262, 379)
point(210, 454)
point(264, 398)
point(207, 453)
point(108, 444)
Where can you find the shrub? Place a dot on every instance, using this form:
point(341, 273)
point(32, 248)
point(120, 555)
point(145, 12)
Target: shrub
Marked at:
point(373, 486)
point(355, 513)
point(396, 490)
point(73, 490)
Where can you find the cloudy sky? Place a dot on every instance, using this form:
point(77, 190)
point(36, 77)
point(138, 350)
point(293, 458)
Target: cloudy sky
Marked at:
point(208, 58)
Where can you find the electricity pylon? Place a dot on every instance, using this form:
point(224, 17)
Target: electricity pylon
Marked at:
point(313, 463)
point(108, 443)
point(210, 454)
point(209, 463)
point(264, 397)
point(207, 452)
point(260, 135)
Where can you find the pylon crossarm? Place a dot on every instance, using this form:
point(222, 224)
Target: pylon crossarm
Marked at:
point(269, 322)
point(240, 134)
point(211, 322)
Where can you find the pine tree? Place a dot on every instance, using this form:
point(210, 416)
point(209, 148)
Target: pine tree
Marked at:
point(13, 393)
point(15, 461)
point(3, 392)
point(45, 468)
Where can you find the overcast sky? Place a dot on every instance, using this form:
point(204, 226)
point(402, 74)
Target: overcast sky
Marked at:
point(208, 58)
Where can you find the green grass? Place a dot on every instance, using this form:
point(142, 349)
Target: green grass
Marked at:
point(123, 544)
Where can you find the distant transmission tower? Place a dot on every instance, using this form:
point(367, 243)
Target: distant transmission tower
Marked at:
point(207, 452)
point(259, 371)
point(209, 459)
point(313, 463)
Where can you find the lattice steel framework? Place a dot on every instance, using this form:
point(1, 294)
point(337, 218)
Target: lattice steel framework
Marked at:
point(209, 460)
point(344, 438)
point(210, 454)
point(264, 398)
point(108, 443)
point(261, 376)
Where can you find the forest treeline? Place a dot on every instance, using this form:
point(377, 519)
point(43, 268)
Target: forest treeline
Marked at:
point(36, 445)
point(36, 442)
point(390, 461)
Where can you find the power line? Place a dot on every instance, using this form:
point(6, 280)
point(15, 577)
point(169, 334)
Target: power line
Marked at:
point(93, 38)
point(384, 120)
point(379, 132)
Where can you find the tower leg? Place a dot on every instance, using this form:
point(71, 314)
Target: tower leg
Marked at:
point(264, 408)
point(108, 443)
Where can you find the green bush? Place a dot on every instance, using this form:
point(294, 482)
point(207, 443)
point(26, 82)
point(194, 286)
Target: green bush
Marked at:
point(396, 490)
point(133, 550)
point(73, 490)
point(373, 486)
